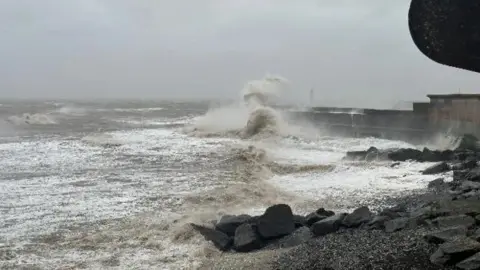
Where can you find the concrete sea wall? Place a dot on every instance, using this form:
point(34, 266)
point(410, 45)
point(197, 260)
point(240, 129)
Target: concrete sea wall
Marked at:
point(387, 124)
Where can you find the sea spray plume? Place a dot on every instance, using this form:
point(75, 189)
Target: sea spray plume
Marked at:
point(258, 93)
point(246, 118)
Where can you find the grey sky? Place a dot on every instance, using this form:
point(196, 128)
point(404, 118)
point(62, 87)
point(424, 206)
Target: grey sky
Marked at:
point(353, 52)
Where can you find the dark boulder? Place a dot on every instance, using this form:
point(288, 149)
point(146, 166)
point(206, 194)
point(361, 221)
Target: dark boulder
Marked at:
point(477, 219)
point(328, 225)
point(405, 154)
point(358, 217)
point(299, 221)
point(394, 164)
point(425, 212)
point(318, 215)
point(460, 175)
point(467, 142)
point(396, 224)
point(431, 156)
point(373, 154)
point(322, 211)
point(469, 185)
point(228, 224)
point(455, 251)
point(473, 175)
point(471, 263)
point(378, 222)
point(462, 155)
point(394, 212)
point(469, 164)
point(437, 168)
point(442, 236)
point(476, 235)
point(314, 217)
point(436, 155)
point(370, 154)
point(471, 195)
point(356, 155)
point(246, 238)
point(221, 241)
point(457, 207)
point(439, 258)
point(438, 183)
point(276, 222)
point(452, 221)
point(299, 236)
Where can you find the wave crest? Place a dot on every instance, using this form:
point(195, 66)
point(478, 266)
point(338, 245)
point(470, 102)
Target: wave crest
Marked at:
point(32, 119)
point(247, 118)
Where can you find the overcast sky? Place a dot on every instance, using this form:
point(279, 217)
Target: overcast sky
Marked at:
point(353, 52)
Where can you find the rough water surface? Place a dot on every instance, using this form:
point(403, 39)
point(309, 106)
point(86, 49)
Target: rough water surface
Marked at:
point(112, 185)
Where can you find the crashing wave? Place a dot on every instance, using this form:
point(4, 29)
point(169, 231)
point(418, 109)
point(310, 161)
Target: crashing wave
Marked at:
point(31, 119)
point(261, 121)
point(101, 139)
point(247, 119)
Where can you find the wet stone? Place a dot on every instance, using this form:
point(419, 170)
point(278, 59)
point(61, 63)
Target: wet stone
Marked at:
point(396, 224)
point(437, 168)
point(327, 225)
point(276, 222)
point(455, 251)
point(442, 236)
point(378, 222)
point(449, 221)
point(246, 238)
point(471, 263)
point(476, 235)
point(436, 184)
point(299, 236)
point(358, 217)
point(228, 224)
point(219, 239)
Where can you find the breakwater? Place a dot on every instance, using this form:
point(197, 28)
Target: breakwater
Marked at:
point(406, 125)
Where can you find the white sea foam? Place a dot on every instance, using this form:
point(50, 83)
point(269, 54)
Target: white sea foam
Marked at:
point(150, 109)
point(71, 110)
point(129, 206)
point(32, 119)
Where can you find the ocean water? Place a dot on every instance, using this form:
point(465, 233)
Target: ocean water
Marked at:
point(113, 185)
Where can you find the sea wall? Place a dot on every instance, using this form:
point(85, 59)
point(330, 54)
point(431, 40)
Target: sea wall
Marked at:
point(388, 124)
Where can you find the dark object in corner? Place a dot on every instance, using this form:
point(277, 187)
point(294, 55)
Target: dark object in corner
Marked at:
point(447, 31)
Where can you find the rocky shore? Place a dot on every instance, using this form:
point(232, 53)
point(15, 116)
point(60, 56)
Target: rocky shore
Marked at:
point(439, 229)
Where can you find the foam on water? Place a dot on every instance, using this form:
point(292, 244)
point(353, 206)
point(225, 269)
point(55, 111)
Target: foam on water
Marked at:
point(151, 109)
point(71, 110)
point(124, 199)
point(156, 122)
point(32, 119)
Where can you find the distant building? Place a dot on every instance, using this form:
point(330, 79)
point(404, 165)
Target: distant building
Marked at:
point(455, 111)
point(421, 108)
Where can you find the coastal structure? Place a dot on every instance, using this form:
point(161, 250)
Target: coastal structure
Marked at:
point(454, 114)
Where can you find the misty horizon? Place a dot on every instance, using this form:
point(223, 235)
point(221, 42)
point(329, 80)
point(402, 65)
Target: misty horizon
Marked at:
point(353, 53)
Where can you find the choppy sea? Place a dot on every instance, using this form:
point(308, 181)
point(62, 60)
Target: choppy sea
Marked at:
point(112, 184)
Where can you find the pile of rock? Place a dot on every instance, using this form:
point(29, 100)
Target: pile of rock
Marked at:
point(457, 233)
point(451, 220)
point(453, 226)
point(279, 227)
point(462, 159)
point(467, 150)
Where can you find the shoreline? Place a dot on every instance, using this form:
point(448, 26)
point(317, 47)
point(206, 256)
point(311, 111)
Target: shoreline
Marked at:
point(435, 228)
